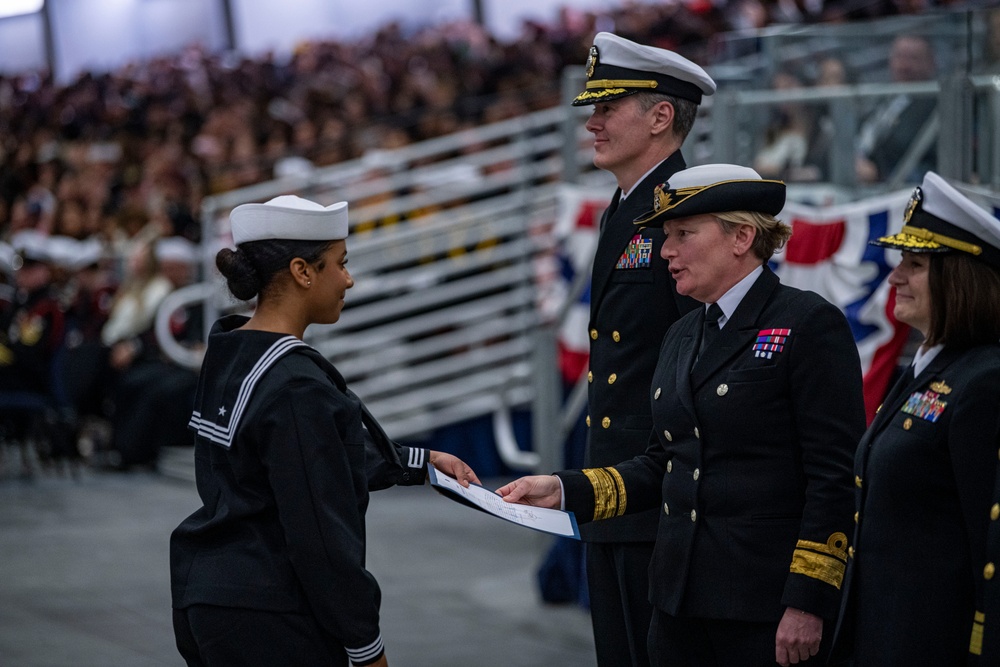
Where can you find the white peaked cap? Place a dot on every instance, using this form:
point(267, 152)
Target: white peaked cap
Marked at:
point(617, 67)
point(943, 200)
point(289, 217)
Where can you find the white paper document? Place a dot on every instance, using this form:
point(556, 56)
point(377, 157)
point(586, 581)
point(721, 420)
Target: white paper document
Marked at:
point(555, 522)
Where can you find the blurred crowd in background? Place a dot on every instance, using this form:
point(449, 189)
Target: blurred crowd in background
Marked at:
point(101, 182)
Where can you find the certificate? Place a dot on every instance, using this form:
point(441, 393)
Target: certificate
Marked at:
point(555, 522)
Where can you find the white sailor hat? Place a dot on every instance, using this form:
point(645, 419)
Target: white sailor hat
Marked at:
point(713, 188)
point(63, 251)
point(32, 246)
point(617, 67)
point(289, 217)
point(176, 249)
point(90, 252)
point(939, 218)
point(9, 261)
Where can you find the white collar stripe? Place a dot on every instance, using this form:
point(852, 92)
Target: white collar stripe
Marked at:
point(267, 359)
point(224, 435)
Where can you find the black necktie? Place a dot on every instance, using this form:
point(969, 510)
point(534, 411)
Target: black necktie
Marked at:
point(612, 207)
point(710, 331)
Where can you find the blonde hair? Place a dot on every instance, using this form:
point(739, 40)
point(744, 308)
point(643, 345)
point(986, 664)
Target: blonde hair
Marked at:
point(771, 236)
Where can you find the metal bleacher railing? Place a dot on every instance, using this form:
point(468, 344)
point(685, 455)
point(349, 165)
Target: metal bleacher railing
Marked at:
point(444, 322)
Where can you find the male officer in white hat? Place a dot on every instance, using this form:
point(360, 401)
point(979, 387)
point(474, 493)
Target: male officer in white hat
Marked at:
point(645, 101)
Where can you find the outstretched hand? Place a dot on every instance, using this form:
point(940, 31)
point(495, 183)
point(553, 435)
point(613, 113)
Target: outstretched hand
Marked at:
point(535, 490)
point(451, 465)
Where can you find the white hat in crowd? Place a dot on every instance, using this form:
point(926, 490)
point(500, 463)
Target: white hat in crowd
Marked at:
point(31, 245)
point(617, 67)
point(176, 249)
point(289, 217)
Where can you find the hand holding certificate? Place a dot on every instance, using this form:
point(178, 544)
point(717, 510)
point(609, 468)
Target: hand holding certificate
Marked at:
point(546, 520)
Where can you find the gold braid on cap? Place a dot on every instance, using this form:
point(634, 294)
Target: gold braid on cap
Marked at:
point(927, 235)
point(622, 83)
point(825, 562)
point(609, 492)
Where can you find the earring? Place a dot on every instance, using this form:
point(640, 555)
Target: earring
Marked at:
point(309, 284)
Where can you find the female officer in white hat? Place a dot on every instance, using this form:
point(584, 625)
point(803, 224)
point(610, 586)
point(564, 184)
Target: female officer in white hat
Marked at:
point(757, 405)
point(925, 470)
point(271, 570)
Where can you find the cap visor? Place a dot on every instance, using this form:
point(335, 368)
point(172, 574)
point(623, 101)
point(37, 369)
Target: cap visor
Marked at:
point(908, 242)
point(603, 95)
point(646, 219)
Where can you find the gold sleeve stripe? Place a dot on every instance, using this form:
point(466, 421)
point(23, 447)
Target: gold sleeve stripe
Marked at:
point(620, 487)
point(826, 562)
point(818, 566)
point(976, 641)
point(836, 546)
point(609, 492)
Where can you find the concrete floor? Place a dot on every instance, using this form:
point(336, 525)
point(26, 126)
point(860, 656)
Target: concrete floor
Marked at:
point(84, 575)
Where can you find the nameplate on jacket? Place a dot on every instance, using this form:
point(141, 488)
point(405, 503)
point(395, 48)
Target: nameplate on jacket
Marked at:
point(770, 342)
point(926, 405)
point(637, 253)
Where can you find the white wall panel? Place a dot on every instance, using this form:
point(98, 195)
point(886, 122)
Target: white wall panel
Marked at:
point(265, 25)
point(104, 34)
point(22, 44)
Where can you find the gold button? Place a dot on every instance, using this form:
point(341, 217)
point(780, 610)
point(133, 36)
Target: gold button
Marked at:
point(588, 421)
point(696, 474)
point(995, 511)
point(593, 334)
point(612, 378)
point(666, 509)
point(722, 389)
point(656, 394)
point(850, 551)
point(666, 434)
point(857, 481)
point(590, 376)
point(907, 424)
point(606, 422)
point(989, 571)
point(670, 466)
point(694, 516)
point(697, 434)
point(856, 516)
point(878, 409)
point(616, 336)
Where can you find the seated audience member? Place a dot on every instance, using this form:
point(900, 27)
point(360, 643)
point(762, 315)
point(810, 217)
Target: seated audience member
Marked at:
point(152, 395)
point(887, 135)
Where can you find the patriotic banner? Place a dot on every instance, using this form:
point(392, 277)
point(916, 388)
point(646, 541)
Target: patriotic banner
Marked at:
point(575, 232)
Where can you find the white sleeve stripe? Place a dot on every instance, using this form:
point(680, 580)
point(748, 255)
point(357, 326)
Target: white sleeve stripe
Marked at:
point(366, 652)
point(416, 458)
